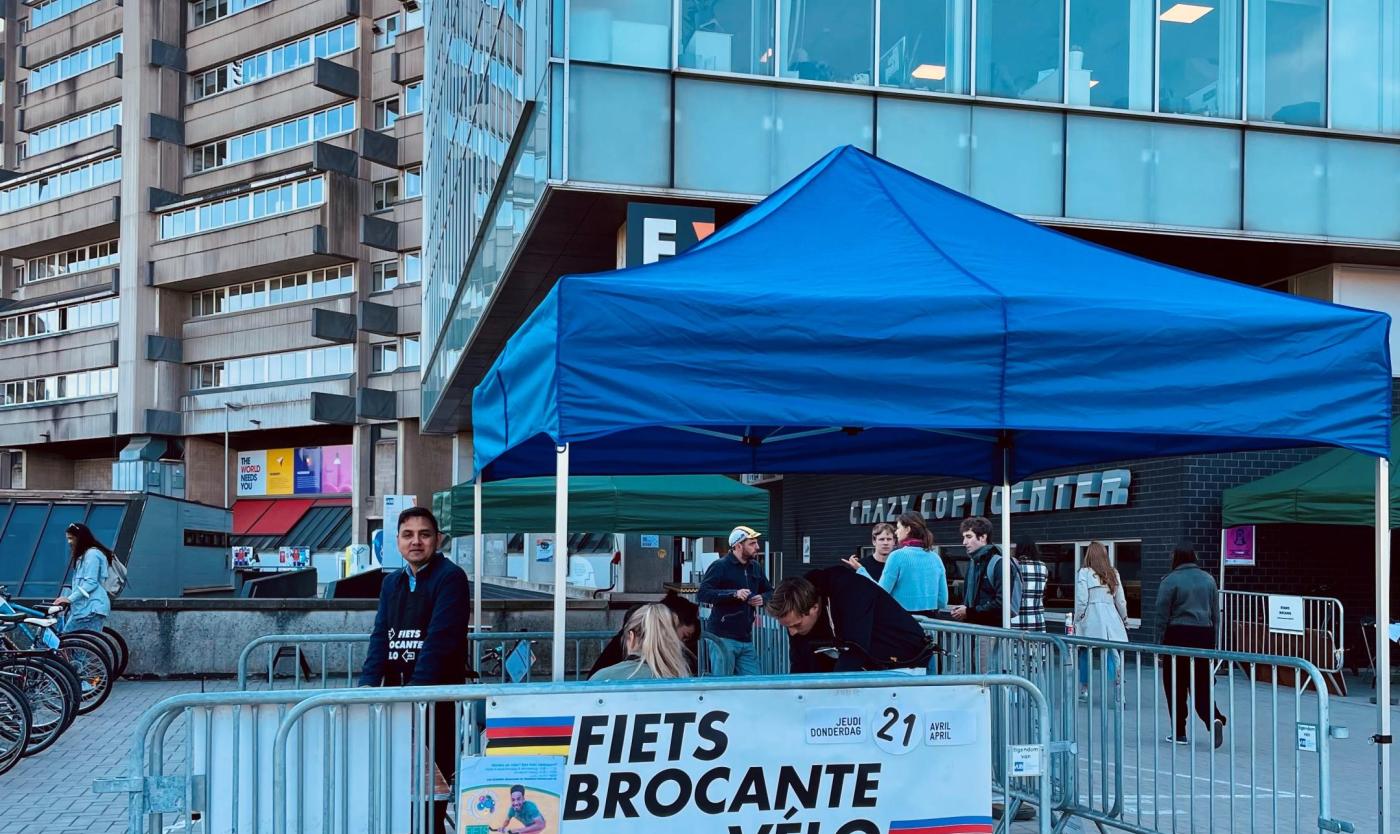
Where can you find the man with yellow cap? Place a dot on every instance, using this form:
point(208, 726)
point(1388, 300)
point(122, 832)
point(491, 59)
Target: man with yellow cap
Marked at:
point(735, 588)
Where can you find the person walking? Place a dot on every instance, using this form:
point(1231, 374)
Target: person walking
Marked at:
point(1187, 607)
point(1100, 611)
point(420, 634)
point(85, 591)
point(654, 648)
point(734, 587)
point(1035, 575)
point(914, 574)
point(882, 539)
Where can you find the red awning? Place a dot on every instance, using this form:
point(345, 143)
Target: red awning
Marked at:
point(280, 517)
point(247, 513)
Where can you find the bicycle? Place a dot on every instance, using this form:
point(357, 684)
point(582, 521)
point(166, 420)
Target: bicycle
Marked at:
point(14, 725)
point(47, 684)
point(90, 658)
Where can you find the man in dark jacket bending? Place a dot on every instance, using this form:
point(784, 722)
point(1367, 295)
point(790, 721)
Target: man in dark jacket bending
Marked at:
point(420, 632)
point(835, 610)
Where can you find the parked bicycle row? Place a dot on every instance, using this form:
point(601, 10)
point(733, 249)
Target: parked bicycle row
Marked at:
point(61, 662)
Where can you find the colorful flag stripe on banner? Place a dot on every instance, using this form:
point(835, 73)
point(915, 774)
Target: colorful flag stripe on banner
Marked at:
point(543, 736)
point(943, 825)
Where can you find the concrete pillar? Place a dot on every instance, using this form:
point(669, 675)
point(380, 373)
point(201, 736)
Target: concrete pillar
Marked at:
point(425, 463)
point(204, 471)
point(362, 499)
point(47, 470)
point(462, 450)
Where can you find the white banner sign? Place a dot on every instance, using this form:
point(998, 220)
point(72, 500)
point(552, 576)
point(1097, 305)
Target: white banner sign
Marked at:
point(252, 473)
point(1285, 614)
point(848, 761)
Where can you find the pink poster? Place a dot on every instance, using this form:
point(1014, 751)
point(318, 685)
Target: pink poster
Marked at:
point(336, 465)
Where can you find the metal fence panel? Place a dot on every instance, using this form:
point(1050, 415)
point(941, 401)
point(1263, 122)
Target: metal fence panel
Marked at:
point(1245, 627)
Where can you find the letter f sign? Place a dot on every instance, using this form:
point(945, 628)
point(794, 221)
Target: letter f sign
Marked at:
point(658, 239)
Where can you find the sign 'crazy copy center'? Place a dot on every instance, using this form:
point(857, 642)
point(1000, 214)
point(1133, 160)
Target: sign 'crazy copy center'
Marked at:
point(878, 760)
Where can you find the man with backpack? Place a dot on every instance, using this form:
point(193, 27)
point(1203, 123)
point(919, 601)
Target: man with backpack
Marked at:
point(982, 591)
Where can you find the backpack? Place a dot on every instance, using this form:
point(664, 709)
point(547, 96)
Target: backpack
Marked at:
point(1017, 584)
point(115, 582)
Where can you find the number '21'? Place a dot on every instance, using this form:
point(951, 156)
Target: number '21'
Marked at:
point(893, 715)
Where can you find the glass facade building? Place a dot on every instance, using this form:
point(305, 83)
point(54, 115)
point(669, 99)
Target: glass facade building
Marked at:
point(1273, 120)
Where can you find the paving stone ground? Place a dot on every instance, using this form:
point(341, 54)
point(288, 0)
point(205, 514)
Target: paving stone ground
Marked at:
point(52, 793)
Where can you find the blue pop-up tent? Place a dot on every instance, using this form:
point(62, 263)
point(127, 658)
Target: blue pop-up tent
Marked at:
point(865, 320)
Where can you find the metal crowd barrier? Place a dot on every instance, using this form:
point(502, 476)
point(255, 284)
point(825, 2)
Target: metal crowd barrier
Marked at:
point(337, 658)
point(770, 643)
point(1245, 627)
point(360, 760)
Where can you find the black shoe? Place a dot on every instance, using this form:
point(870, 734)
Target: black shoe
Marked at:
point(1219, 728)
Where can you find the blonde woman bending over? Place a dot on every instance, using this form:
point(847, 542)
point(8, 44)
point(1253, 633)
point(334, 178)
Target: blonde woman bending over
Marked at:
point(653, 649)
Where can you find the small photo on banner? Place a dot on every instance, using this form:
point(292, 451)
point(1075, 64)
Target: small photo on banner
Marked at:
point(510, 793)
point(307, 474)
point(281, 464)
point(541, 736)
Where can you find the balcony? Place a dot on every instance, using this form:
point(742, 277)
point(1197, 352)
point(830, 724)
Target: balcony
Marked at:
point(85, 419)
point(260, 27)
point(409, 47)
point(73, 95)
point(76, 220)
point(409, 217)
point(275, 99)
point(307, 239)
point(67, 286)
point(404, 384)
point(262, 167)
point(275, 406)
point(61, 36)
point(273, 329)
point(409, 131)
point(102, 141)
point(59, 353)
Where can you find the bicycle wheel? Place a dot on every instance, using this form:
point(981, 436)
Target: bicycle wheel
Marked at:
point(14, 725)
point(97, 641)
point(52, 704)
point(93, 671)
point(65, 673)
point(124, 651)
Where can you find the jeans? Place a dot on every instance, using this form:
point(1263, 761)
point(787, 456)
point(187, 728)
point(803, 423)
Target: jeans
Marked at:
point(91, 622)
point(1095, 658)
point(731, 657)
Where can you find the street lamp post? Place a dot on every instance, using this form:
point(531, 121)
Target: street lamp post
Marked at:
point(227, 408)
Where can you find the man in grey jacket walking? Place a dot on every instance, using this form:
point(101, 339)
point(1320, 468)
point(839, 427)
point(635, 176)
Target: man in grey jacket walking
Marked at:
point(1187, 608)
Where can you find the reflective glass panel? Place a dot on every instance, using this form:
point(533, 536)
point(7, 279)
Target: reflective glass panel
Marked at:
point(828, 40)
point(929, 138)
point(1110, 53)
point(1200, 64)
point(923, 44)
point(619, 126)
point(1366, 57)
point(1019, 49)
point(727, 36)
point(1288, 61)
point(1017, 160)
point(631, 32)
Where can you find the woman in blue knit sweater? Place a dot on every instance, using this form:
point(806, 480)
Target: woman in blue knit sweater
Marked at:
point(914, 574)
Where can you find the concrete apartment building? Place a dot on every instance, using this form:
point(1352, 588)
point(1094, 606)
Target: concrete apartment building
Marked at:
point(209, 222)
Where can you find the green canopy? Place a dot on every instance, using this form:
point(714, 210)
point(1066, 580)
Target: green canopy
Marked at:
point(1338, 487)
point(677, 505)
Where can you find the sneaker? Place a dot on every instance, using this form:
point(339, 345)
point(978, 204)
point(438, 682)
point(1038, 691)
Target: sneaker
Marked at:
point(1219, 729)
point(1182, 740)
point(1083, 696)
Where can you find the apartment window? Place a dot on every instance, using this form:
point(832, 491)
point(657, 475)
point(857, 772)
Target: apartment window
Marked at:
point(16, 468)
point(208, 11)
point(79, 384)
point(385, 275)
point(82, 259)
point(412, 267)
point(52, 10)
point(74, 63)
point(58, 320)
point(386, 31)
point(384, 358)
point(60, 184)
point(412, 183)
point(255, 205)
point(273, 367)
point(72, 130)
point(413, 98)
point(286, 289)
point(386, 113)
point(285, 58)
point(386, 193)
point(409, 352)
point(272, 139)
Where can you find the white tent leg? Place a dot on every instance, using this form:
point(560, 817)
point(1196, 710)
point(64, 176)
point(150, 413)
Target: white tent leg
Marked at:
point(478, 554)
point(1006, 552)
point(1383, 641)
point(561, 559)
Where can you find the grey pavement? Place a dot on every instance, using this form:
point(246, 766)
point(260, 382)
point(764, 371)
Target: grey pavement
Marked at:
point(52, 793)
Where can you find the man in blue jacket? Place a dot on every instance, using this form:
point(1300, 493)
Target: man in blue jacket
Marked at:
point(420, 632)
point(734, 587)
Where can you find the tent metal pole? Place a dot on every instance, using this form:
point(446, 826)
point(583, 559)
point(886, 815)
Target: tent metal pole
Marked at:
point(478, 552)
point(1383, 643)
point(561, 558)
point(1006, 536)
